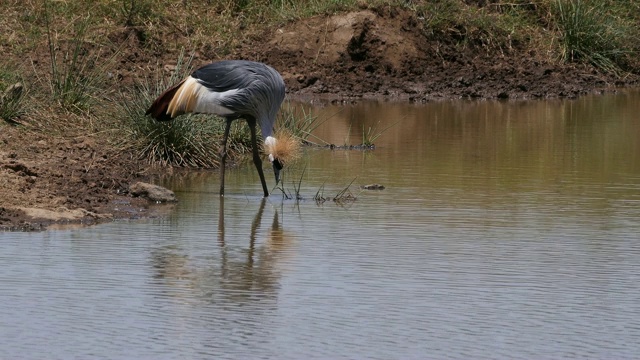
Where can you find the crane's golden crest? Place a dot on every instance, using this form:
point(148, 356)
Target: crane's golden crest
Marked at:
point(284, 147)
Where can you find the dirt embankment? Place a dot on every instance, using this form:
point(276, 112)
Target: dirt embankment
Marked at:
point(56, 180)
point(370, 53)
point(373, 53)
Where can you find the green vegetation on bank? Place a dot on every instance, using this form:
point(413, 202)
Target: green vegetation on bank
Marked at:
point(186, 142)
point(12, 95)
point(73, 89)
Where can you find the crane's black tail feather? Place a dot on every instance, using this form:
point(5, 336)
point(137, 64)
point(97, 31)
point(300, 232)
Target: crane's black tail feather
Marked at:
point(158, 109)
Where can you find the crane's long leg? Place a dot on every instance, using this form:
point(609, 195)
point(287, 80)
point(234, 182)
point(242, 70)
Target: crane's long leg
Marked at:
point(256, 155)
point(223, 155)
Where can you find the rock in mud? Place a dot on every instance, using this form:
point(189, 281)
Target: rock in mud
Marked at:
point(152, 192)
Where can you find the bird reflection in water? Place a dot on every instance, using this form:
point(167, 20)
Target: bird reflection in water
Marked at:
point(234, 273)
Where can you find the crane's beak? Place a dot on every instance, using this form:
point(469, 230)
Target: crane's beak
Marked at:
point(277, 166)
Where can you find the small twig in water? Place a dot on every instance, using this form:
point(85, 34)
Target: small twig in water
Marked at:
point(297, 188)
point(319, 197)
point(345, 195)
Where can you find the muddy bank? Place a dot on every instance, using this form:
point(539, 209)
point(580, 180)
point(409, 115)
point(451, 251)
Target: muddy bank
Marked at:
point(46, 180)
point(372, 53)
point(386, 53)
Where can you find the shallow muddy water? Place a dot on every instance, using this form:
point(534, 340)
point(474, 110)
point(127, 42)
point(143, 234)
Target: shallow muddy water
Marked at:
point(506, 230)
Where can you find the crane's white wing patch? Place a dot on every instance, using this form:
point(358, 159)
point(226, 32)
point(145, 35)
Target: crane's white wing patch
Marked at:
point(195, 97)
point(210, 101)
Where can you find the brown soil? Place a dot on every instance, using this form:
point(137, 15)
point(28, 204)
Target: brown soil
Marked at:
point(374, 53)
point(46, 180)
point(370, 53)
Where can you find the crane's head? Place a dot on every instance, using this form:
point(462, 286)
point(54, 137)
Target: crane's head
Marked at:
point(281, 151)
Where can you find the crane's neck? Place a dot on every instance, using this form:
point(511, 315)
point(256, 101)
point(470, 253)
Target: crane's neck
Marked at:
point(270, 144)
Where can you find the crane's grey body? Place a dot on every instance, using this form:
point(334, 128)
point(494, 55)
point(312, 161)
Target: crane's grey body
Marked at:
point(245, 88)
point(232, 89)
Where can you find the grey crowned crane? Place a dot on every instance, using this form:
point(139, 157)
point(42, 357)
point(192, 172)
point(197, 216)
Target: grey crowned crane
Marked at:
point(233, 89)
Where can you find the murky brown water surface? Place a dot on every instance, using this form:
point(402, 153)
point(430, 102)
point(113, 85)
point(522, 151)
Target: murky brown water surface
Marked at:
point(506, 230)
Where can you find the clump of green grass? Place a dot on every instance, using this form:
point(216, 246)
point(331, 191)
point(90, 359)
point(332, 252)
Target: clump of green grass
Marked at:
point(299, 122)
point(78, 73)
point(603, 33)
point(592, 31)
point(372, 134)
point(187, 141)
point(490, 27)
point(135, 12)
point(12, 94)
point(369, 136)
